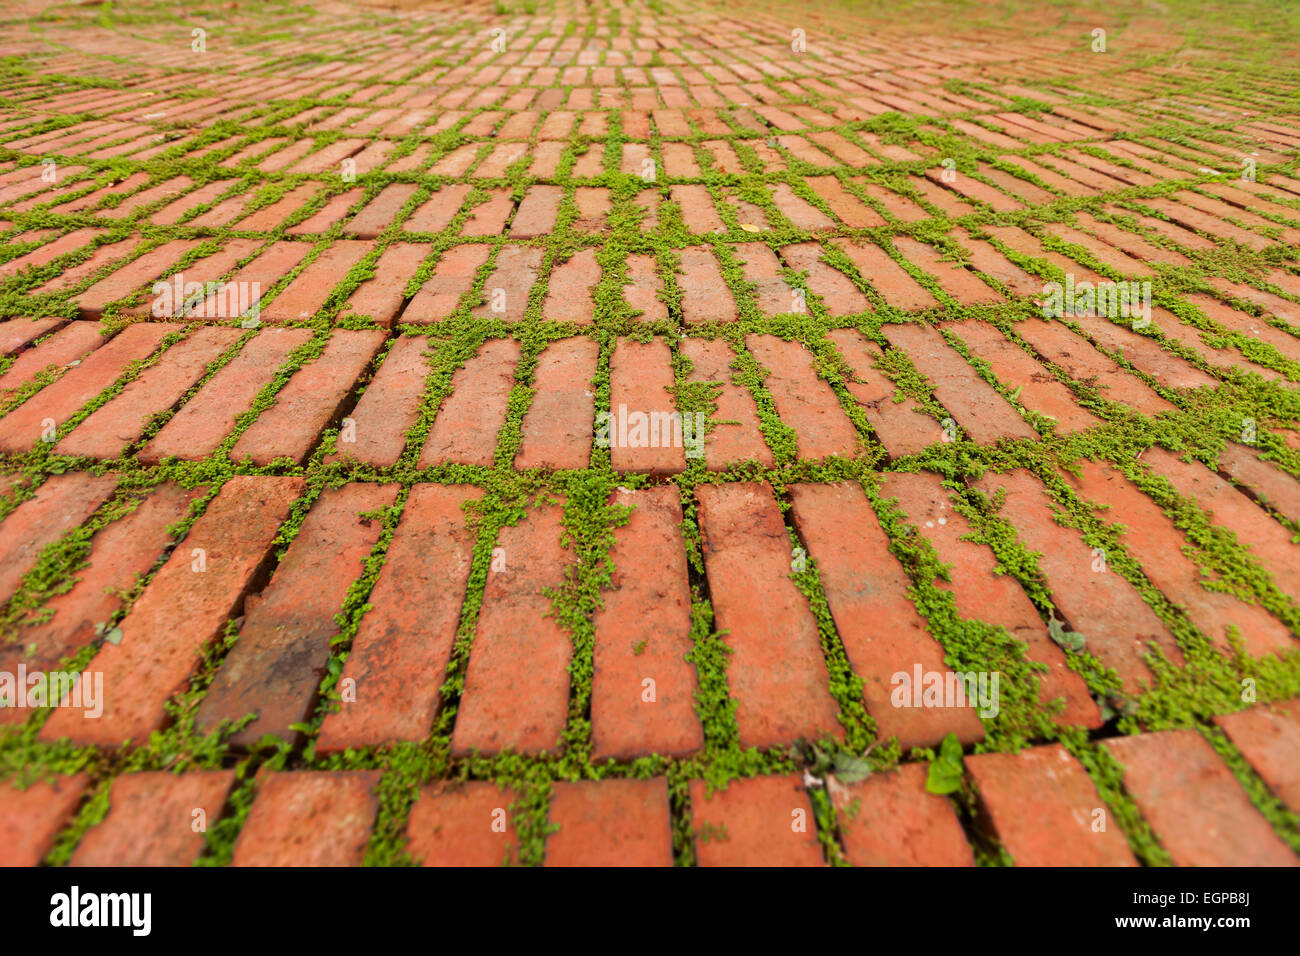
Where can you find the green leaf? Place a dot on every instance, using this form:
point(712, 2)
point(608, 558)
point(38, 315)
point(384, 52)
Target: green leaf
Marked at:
point(850, 769)
point(113, 636)
point(946, 768)
point(1070, 640)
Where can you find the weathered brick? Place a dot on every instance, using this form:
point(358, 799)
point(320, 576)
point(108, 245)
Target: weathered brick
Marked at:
point(705, 296)
point(641, 432)
point(557, 428)
point(776, 672)
point(762, 821)
point(902, 427)
point(462, 432)
point(120, 422)
point(309, 818)
point(985, 415)
point(463, 824)
point(400, 653)
point(156, 819)
point(981, 593)
point(1099, 604)
point(119, 553)
point(306, 294)
point(804, 401)
point(24, 427)
point(382, 297)
point(643, 633)
point(160, 648)
point(736, 436)
point(278, 662)
point(1150, 537)
point(1269, 737)
point(885, 275)
point(1195, 805)
point(610, 823)
point(1045, 810)
point(892, 820)
point(61, 504)
point(516, 692)
point(31, 818)
point(207, 418)
point(452, 278)
point(389, 406)
point(310, 400)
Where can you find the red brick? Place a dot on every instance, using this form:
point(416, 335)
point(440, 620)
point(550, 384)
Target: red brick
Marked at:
point(451, 279)
point(892, 820)
point(763, 821)
point(505, 292)
point(389, 406)
point(1037, 389)
point(593, 205)
point(776, 671)
point(641, 377)
point(66, 347)
point(1083, 363)
point(1265, 539)
point(31, 818)
point(643, 632)
point(334, 210)
point(736, 435)
point(902, 427)
point(557, 428)
point(309, 818)
point(838, 294)
point(306, 294)
point(201, 424)
point(268, 218)
point(610, 822)
point(705, 296)
point(278, 662)
point(437, 212)
point(698, 213)
point(120, 553)
point(1145, 354)
point(271, 265)
point(120, 422)
point(643, 288)
point(1043, 808)
point(400, 653)
point(804, 401)
point(773, 295)
point(159, 649)
point(93, 301)
point(569, 296)
point(152, 819)
point(463, 824)
point(22, 428)
point(1101, 605)
point(536, 213)
point(981, 593)
point(1269, 484)
point(851, 210)
point(381, 298)
point(462, 432)
point(1269, 737)
point(16, 333)
point(1195, 805)
point(1152, 539)
point(890, 279)
point(985, 415)
point(61, 504)
point(516, 694)
point(954, 278)
point(381, 212)
point(489, 218)
point(310, 400)
point(882, 633)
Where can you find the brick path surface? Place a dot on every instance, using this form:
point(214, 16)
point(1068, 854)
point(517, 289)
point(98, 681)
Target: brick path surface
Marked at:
point(591, 434)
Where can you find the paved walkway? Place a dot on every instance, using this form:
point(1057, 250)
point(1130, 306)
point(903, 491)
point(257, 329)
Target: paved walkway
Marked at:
point(658, 432)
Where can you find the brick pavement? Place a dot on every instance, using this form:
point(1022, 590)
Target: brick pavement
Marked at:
point(623, 434)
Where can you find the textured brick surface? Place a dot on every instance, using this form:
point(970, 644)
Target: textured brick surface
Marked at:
point(333, 359)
